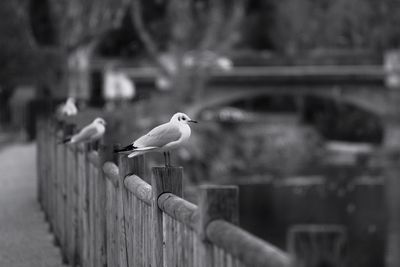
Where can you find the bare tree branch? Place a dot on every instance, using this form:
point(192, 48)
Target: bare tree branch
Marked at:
point(215, 21)
point(237, 14)
point(144, 35)
point(21, 10)
point(181, 23)
point(78, 20)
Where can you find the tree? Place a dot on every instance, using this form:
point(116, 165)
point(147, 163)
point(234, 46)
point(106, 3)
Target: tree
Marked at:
point(358, 24)
point(22, 61)
point(81, 22)
point(42, 35)
point(192, 36)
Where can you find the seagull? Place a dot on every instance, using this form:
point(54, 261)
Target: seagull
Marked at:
point(92, 132)
point(162, 138)
point(69, 108)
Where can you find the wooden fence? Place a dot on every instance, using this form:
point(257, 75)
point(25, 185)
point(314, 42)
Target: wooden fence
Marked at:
point(112, 215)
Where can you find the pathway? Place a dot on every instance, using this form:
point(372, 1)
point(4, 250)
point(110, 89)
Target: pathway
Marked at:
point(24, 237)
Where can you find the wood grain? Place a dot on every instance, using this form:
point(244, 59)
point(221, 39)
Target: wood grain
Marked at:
point(164, 180)
point(109, 215)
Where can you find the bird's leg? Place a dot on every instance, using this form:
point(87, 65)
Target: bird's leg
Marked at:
point(96, 145)
point(169, 159)
point(165, 159)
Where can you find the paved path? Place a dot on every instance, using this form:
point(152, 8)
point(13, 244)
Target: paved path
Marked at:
point(24, 237)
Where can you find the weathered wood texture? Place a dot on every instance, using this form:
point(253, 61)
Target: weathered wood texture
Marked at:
point(137, 215)
point(231, 238)
point(142, 190)
point(71, 215)
point(164, 180)
point(217, 202)
point(108, 215)
point(83, 223)
point(391, 153)
point(111, 223)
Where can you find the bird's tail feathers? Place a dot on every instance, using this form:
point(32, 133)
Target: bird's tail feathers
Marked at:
point(65, 140)
point(147, 148)
point(134, 154)
point(125, 149)
point(141, 150)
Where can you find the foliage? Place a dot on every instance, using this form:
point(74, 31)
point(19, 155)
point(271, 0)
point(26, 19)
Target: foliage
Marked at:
point(78, 22)
point(21, 61)
point(225, 152)
point(291, 26)
point(344, 122)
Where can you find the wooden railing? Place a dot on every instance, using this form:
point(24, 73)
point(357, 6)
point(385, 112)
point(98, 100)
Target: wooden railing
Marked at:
point(103, 214)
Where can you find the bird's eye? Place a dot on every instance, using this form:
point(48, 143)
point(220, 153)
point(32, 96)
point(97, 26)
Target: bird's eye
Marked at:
point(184, 118)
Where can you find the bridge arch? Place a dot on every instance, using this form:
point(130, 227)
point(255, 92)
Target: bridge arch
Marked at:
point(374, 103)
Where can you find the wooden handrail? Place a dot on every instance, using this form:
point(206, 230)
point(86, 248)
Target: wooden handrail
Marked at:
point(139, 188)
point(248, 248)
point(179, 209)
point(94, 158)
point(112, 172)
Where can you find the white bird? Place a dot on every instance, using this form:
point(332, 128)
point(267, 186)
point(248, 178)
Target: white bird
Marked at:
point(162, 138)
point(92, 132)
point(69, 108)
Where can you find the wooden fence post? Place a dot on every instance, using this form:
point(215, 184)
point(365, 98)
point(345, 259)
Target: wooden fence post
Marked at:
point(132, 216)
point(56, 192)
point(111, 222)
point(68, 243)
point(81, 204)
point(93, 181)
point(164, 180)
point(68, 173)
point(111, 191)
point(391, 147)
point(391, 159)
point(57, 210)
point(72, 212)
point(48, 166)
point(51, 178)
point(105, 151)
point(126, 167)
point(85, 200)
point(216, 202)
point(101, 234)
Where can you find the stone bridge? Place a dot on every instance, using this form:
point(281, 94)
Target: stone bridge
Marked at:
point(361, 86)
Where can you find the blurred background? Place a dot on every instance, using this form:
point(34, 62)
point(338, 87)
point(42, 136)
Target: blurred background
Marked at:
point(298, 103)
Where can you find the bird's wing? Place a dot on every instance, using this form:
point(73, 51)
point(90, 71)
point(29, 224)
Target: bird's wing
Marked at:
point(159, 136)
point(85, 134)
point(71, 109)
point(74, 109)
point(67, 109)
point(61, 109)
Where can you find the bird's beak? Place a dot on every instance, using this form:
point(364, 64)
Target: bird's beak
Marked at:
point(192, 121)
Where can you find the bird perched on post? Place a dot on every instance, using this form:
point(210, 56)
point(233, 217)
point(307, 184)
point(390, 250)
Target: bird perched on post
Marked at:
point(162, 138)
point(68, 108)
point(92, 132)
